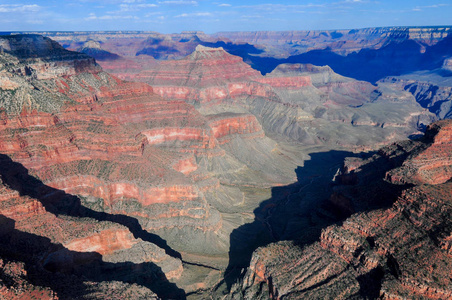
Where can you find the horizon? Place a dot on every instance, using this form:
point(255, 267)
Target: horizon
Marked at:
point(213, 33)
point(174, 16)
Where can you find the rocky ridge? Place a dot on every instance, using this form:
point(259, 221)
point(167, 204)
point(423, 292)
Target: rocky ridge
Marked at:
point(398, 252)
point(294, 101)
point(159, 176)
point(432, 91)
point(167, 175)
point(340, 41)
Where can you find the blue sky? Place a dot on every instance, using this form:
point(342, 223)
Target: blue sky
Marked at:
point(168, 16)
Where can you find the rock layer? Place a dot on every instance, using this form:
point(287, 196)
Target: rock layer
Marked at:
point(287, 101)
point(390, 253)
point(140, 166)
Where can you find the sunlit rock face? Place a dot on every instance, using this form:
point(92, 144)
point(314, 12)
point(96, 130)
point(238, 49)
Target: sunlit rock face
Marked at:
point(139, 186)
point(309, 104)
point(432, 165)
point(150, 174)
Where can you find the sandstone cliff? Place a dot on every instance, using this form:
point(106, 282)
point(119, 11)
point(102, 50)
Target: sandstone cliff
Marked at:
point(149, 188)
point(152, 175)
point(294, 101)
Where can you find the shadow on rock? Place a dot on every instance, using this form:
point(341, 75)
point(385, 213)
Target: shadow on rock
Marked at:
point(55, 201)
point(54, 266)
point(301, 210)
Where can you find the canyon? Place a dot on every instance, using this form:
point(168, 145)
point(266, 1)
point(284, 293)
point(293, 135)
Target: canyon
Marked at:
point(401, 251)
point(153, 166)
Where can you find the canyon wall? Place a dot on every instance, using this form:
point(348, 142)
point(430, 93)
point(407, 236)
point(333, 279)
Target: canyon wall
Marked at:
point(393, 252)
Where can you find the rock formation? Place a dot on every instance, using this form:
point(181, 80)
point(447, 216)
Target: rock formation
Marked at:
point(432, 91)
point(390, 253)
point(93, 49)
point(141, 167)
point(288, 101)
point(340, 41)
point(164, 186)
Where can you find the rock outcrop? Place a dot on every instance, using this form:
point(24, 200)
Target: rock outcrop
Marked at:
point(144, 188)
point(150, 174)
point(289, 100)
point(93, 49)
point(431, 90)
point(390, 253)
point(340, 41)
point(367, 54)
point(432, 165)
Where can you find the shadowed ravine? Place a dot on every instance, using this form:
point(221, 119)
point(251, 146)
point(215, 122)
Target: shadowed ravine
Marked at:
point(57, 202)
point(367, 64)
point(301, 210)
point(55, 274)
point(298, 211)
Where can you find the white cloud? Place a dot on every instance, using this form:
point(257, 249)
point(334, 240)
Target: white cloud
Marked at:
point(155, 13)
point(272, 7)
point(35, 22)
point(7, 8)
point(92, 16)
point(225, 4)
point(147, 5)
point(199, 14)
point(179, 2)
point(421, 8)
point(255, 16)
point(136, 6)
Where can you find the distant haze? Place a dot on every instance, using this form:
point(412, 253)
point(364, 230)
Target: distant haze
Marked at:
point(167, 16)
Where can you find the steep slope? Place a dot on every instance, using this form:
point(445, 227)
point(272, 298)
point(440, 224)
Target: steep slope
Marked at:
point(93, 49)
point(366, 54)
point(308, 104)
point(391, 253)
point(152, 169)
point(170, 184)
point(432, 89)
point(277, 44)
point(340, 41)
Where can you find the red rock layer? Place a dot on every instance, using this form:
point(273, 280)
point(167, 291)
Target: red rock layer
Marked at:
point(21, 289)
point(210, 74)
point(287, 82)
point(205, 67)
point(121, 148)
point(432, 165)
point(71, 141)
point(226, 125)
point(401, 252)
point(287, 101)
point(80, 235)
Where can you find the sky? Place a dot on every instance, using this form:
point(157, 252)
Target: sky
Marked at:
point(173, 16)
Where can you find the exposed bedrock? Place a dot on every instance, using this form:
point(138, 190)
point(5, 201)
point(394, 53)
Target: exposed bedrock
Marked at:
point(432, 165)
point(53, 245)
point(167, 180)
point(341, 41)
point(299, 102)
point(431, 91)
point(396, 244)
point(166, 183)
